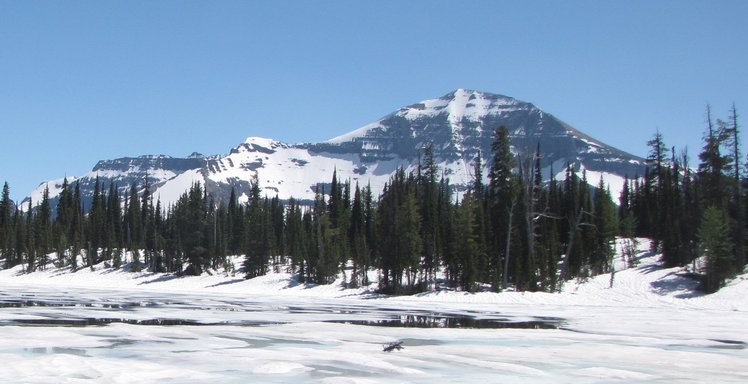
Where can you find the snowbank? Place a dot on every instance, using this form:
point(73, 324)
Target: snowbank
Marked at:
point(645, 285)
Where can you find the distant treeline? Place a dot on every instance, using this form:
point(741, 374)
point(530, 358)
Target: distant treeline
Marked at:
point(510, 232)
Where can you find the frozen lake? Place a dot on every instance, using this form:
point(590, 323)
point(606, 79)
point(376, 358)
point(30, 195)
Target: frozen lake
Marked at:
point(62, 334)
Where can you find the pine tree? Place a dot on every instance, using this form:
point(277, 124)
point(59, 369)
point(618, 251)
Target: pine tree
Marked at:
point(19, 239)
point(530, 179)
point(503, 193)
point(690, 214)
point(6, 230)
point(78, 227)
point(295, 238)
point(277, 222)
point(399, 235)
point(43, 229)
point(480, 205)
point(95, 230)
point(30, 240)
point(468, 248)
point(576, 211)
point(133, 226)
point(606, 227)
point(360, 250)
point(736, 204)
point(113, 237)
point(427, 198)
point(146, 222)
point(256, 254)
point(713, 165)
point(235, 223)
point(323, 264)
point(715, 244)
point(62, 225)
point(190, 226)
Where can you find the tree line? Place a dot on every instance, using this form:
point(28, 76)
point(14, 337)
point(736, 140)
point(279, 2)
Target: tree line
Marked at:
point(508, 230)
point(697, 217)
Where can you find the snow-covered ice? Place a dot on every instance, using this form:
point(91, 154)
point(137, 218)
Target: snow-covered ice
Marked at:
point(119, 327)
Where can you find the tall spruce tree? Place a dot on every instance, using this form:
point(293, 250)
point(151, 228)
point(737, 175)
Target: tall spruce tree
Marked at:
point(427, 190)
point(715, 244)
point(6, 227)
point(713, 165)
point(503, 193)
point(256, 251)
point(30, 240)
point(43, 229)
point(19, 244)
point(606, 227)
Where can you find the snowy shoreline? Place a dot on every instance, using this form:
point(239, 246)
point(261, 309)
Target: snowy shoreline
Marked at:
point(647, 284)
point(651, 326)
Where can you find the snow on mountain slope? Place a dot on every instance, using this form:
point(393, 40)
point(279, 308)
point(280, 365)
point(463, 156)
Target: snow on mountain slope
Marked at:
point(459, 125)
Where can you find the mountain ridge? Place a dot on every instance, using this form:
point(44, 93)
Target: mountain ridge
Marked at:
point(458, 124)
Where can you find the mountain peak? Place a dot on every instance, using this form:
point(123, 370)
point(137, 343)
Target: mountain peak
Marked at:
point(466, 95)
point(261, 141)
point(458, 125)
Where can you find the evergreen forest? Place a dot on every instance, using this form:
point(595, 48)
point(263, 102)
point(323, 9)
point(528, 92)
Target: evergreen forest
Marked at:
point(509, 230)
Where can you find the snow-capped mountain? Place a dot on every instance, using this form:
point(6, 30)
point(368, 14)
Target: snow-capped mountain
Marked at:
point(459, 125)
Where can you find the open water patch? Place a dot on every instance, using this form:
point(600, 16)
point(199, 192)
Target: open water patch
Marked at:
point(729, 344)
point(84, 322)
point(457, 321)
point(62, 309)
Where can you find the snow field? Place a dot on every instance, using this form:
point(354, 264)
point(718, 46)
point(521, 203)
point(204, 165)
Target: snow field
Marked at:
point(651, 326)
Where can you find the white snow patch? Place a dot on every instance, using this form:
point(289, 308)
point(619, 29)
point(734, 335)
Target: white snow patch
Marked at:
point(174, 188)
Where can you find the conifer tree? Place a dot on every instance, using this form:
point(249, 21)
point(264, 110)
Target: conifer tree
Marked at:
point(133, 226)
point(690, 215)
point(656, 185)
point(19, 240)
point(503, 195)
point(295, 238)
point(113, 220)
point(482, 217)
point(191, 227)
point(277, 222)
point(78, 227)
point(606, 228)
point(6, 230)
point(146, 222)
point(307, 270)
point(715, 244)
point(96, 216)
point(256, 254)
point(713, 165)
point(736, 203)
point(399, 234)
point(360, 251)
point(411, 241)
point(325, 261)
point(468, 248)
point(30, 241)
point(427, 198)
point(62, 224)
point(576, 211)
point(43, 229)
point(549, 243)
point(237, 233)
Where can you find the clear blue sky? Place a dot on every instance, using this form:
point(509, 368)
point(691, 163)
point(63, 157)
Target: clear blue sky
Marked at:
point(82, 81)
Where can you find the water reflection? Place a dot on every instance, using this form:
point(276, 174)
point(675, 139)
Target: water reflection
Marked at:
point(452, 321)
point(62, 309)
